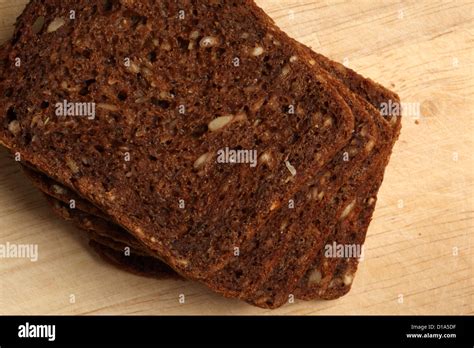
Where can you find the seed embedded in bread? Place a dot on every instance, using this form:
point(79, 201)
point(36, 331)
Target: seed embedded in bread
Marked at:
point(55, 24)
point(14, 127)
point(108, 107)
point(209, 41)
point(315, 277)
point(290, 168)
point(347, 210)
point(219, 122)
point(257, 51)
point(199, 163)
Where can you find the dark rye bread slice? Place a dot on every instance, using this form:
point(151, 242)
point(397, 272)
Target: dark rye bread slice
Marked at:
point(135, 263)
point(375, 94)
point(334, 278)
point(61, 193)
point(286, 273)
point(93, 167)
point(329, 278)
point(108, 243)
point(111, 236)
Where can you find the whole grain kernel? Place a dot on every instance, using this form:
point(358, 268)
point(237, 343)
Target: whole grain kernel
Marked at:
point(275, 205)
point(370, 145)
point(266, 157)
point(209, 41)
point(72, 165)
point(257, 51)
point(146, 71)
point(139, 232)
point(55, 24)
point(290, 168)
point(165, 46)
point(347, 210)
point(325, 177)
point(59, 190)
point(219, 122)
point(285, 71)
point(328, 122)
point(134, 68)
point(315, 277)
point(194, 35)
point(14, 127)
point(108, 107)
point(199, 163)
point(348, 278)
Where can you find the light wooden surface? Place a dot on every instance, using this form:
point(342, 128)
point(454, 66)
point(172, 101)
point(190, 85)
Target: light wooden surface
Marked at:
point(419, 245)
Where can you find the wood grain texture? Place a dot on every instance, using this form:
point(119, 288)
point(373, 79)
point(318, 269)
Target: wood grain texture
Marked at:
point(419, 244)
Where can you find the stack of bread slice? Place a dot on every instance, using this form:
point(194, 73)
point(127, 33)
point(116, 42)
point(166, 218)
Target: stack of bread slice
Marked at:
point(197, 140)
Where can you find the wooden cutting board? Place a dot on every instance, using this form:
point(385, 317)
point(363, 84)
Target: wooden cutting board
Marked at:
point(418, 254)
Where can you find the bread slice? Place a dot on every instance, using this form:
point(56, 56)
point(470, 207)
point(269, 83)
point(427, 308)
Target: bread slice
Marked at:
point(330, 278)
point(112, 244)
point(285, 273)
point(134, 263)
point(54, 189)
point(89, 156)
